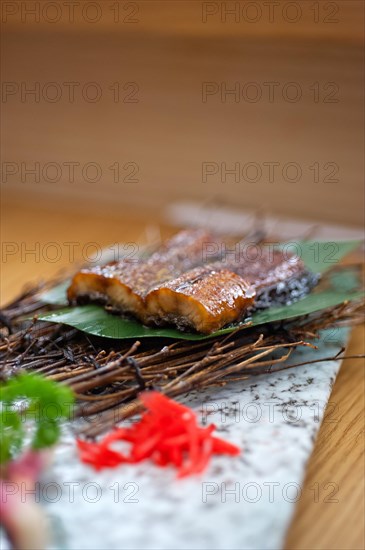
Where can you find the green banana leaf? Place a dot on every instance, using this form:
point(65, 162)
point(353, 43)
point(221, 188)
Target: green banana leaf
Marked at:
point(342, 285)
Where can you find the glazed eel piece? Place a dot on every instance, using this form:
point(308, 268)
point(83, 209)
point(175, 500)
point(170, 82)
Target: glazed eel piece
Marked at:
point(206, 299)
point(278, 277)
point(124, 284)
point(173, 287)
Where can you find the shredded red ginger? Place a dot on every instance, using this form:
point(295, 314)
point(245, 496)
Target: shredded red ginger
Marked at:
point(167, 433)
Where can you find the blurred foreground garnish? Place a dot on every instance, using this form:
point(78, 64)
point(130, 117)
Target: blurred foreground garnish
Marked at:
point(31, 397)
point(167, 434)
point(27, 401)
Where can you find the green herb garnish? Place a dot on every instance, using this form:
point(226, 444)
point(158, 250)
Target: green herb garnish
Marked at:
point(30, 399)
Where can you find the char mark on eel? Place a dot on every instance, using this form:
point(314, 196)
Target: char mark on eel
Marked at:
point(208, 298)
point(125, 284)
point(177, 285)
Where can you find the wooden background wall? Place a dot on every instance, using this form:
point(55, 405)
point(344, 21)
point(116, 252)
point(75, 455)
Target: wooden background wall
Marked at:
point(160, 131)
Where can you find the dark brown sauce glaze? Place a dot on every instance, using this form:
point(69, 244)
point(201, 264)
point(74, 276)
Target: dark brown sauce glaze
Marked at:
point(204, 299)
point(176, 285)
point(125, 284)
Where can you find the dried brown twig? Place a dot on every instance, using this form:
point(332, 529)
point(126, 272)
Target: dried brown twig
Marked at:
point(107, 376)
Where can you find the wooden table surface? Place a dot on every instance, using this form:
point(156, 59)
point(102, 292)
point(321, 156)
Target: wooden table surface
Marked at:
point(337, 464)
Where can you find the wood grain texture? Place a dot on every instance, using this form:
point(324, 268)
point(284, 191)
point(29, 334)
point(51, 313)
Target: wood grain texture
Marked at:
point(170, 131)
point(196, 18)
point(331, 511)
point(338, 458)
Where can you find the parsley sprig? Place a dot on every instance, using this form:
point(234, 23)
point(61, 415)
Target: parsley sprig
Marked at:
point(47, 405)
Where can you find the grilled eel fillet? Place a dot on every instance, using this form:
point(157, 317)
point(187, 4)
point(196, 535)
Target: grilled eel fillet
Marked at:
point(277, 277)
point(204, 299)
point(124, 284)
point(207, 298)
point(172, 287)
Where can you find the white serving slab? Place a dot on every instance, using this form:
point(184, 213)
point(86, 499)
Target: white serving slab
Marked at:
point(238, 503)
